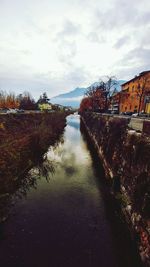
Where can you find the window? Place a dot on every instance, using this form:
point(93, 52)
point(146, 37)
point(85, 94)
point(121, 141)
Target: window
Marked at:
point(126, 89)
point(135, 109)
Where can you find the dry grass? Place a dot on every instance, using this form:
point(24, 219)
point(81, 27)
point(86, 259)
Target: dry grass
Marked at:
point(24, 138)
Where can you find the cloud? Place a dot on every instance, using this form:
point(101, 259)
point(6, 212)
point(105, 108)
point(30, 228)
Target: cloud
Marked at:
point(41, 82)
point(122, 14)
point(25, 52)
point(59, 45)
point(66, 52)
point(68, 29)
point(134, 62)
point(66, 40)
point(122, 41)
point(138, 56)
point(78, 74)
point(94, 37)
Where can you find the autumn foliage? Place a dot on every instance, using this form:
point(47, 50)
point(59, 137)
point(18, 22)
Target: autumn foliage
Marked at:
point(22, 101)
point(8, 100)
point(97, 97)
point(86, 104)
point(94, 101)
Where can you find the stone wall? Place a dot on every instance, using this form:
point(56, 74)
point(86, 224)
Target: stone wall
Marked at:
point(146, 127)
point(125, 154)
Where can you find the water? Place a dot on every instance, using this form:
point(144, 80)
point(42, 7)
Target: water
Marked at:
point(65, 217)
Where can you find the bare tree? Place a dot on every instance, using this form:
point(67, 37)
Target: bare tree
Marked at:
point(2, 99)
point(143, 89)
point(108, 83)
point(97, 97)
point(26, 101)
point(100, 94)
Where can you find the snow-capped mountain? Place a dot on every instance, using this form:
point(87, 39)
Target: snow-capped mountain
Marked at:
point(74, 97)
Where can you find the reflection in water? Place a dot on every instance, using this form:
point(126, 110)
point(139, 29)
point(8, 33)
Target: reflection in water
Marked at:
point(62, 220)
point(16, 187)
point(21, 187)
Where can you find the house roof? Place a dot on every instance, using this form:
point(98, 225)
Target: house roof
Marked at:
point(137, 76)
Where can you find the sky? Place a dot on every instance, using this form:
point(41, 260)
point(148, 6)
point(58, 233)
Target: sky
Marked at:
point(56, 46)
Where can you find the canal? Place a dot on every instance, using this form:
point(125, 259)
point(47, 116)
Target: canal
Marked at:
point(63, 217)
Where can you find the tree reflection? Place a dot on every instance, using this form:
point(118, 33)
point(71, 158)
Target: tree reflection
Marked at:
point(13, 187)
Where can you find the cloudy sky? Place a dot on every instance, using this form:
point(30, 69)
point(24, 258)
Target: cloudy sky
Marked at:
point(57, 45)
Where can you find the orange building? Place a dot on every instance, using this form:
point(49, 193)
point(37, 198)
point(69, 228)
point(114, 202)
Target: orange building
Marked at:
point(135, 94)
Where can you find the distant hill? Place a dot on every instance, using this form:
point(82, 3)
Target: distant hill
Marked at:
point(74, 97)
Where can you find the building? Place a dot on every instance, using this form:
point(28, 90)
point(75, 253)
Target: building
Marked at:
point(135, 94)
point(147, 104)
point(68, 108)
point(57, 107)
point(114, 102)
point(45, 107)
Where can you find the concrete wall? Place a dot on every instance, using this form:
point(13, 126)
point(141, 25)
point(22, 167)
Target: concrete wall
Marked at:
point(136, 124)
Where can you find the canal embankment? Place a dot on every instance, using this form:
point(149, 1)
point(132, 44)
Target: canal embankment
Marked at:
point(125, 154)
point(34, 130)
point(24, 138)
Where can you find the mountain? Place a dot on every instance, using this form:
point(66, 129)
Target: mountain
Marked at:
point(74, 97)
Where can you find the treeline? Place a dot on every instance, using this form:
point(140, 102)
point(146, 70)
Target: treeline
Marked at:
point(22, 101)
